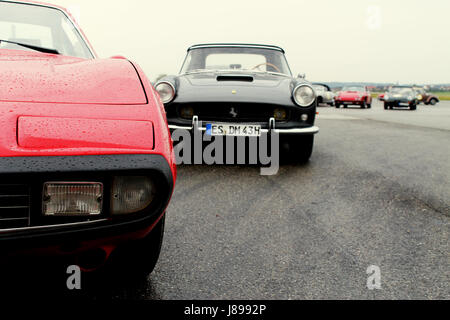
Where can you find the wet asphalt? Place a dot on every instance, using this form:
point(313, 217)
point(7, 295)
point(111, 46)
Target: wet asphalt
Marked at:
point(375, 193)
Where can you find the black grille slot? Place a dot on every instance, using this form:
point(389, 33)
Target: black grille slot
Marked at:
point(233, 112)
point(14, 206)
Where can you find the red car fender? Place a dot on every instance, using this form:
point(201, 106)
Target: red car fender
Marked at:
point(163, 126)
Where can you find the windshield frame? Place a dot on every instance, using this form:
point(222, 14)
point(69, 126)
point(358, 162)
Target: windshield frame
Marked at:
point(345, 89)
point(67, 16)
point(288, 68)
point(402, 90)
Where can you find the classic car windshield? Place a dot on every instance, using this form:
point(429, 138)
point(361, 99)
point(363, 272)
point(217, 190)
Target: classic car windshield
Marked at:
point(319, 88)
point(358, 89)
point(40, 26)
point(235, 59)
point(403, 91)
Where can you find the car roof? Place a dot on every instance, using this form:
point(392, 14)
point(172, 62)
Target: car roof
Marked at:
point(235, 45)
point(37, 3)
point(321, 84)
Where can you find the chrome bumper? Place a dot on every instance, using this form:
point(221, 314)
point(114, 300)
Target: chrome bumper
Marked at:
point(272, 128)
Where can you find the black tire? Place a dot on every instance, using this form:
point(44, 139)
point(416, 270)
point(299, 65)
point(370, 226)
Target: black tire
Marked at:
point(137, 259)
point(363, 106)
point(369, 106)
point(337, 105)
point(386, 106)
point(433, 102)
point(300, 149)
point(413, 106)
point(345, 106)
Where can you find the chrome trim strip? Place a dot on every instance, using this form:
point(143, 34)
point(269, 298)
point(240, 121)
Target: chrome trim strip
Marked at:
point(309, 130)
point(6, 231)
point(230, 45)
point(14, 219)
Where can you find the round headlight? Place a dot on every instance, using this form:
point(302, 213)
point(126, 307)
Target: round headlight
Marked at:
point(187, 112)
point(131, 194)
point(386, 97)
point(304, 95)
point(166, 91)
point(280, 114)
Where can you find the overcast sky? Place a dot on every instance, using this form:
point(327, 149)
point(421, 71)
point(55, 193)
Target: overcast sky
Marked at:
point(328, 40)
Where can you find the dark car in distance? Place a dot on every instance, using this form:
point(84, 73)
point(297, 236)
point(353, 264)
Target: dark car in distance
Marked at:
point(401, 96)
point(242, 85)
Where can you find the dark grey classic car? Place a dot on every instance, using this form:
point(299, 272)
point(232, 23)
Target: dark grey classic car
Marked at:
point(401, 96)
point(247, 86)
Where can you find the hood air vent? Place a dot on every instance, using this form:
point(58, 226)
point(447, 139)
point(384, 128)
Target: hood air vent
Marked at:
point(235, 78)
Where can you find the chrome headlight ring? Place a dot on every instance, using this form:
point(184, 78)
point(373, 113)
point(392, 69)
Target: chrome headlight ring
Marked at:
point(166, 91)
point(304, 95)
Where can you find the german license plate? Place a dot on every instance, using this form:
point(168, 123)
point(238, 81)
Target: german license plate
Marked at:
point(234, 130)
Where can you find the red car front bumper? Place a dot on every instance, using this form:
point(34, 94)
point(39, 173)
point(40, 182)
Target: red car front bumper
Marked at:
point(66, 237)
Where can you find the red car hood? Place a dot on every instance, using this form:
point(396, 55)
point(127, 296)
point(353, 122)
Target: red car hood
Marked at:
point(350, 94)
point(46, 78)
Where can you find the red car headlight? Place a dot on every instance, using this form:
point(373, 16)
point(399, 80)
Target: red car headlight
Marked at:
point(63, 199)
point(131, 194)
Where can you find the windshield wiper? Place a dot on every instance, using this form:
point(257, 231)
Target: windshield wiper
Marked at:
point(32, 47)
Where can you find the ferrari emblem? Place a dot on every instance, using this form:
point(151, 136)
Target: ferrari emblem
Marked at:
point(233, 113)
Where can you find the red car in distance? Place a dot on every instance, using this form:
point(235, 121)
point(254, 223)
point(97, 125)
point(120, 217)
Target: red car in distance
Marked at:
point(86, 161)
point(354, 95)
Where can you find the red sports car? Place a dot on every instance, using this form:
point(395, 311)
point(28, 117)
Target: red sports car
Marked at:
point(355, 95)
point(86, 160)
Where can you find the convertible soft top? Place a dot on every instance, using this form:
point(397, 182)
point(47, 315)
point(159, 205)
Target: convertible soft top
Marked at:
point(235, 45)
point(321, 84)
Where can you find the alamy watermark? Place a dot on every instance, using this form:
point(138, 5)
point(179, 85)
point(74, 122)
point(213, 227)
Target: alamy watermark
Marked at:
point(374, 279)
point(206, 147)
point(74, 279)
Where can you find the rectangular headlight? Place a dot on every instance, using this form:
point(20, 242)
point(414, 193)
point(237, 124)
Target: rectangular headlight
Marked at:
point(131, 194)
point(72, 199)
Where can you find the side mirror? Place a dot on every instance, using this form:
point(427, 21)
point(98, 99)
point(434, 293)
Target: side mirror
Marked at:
point(301, 76)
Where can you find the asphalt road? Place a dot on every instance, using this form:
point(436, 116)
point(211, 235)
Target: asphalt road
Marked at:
point(376, 192)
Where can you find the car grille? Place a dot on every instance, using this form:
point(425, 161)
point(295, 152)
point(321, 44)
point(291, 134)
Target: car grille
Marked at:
point(14, 206)
point(238, 112)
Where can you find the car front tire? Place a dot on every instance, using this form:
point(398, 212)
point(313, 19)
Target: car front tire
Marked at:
point(300, 149)
point(137, 259)
point(433, 102)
